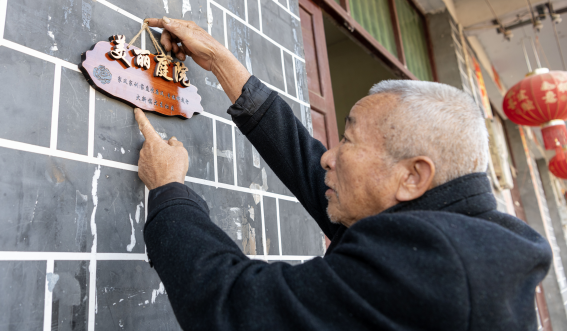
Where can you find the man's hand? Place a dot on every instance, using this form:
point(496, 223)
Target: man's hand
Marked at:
point(195, 41)
point(204, 50)
point(161, 162)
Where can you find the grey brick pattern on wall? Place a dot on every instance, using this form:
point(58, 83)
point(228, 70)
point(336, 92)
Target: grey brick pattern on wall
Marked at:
point(72, 253)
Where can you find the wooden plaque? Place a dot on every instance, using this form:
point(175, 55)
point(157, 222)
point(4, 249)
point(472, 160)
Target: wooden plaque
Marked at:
point(134, 79)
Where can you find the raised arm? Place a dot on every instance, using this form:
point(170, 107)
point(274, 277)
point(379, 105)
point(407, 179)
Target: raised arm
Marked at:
point(260, 114)
point(286, 146)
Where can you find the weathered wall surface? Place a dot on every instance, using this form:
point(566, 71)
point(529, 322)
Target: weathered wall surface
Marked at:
point(72, 254)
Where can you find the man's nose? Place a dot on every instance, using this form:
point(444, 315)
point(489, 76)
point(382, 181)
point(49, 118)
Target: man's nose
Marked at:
point(328, 160)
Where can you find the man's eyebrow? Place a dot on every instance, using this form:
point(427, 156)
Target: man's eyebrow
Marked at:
point(349, 120)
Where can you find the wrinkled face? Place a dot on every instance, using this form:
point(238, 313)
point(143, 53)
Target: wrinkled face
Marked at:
point(360, 173)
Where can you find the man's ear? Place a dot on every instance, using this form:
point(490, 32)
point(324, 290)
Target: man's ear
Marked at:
point(418, 174)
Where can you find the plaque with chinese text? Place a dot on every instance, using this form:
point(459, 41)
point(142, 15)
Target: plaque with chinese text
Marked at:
point(151, 82)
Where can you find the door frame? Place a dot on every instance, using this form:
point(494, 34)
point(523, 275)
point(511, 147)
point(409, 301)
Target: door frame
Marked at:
point(323, 103)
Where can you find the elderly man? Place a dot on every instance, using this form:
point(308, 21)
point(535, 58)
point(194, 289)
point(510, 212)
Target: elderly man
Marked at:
point(417, 242)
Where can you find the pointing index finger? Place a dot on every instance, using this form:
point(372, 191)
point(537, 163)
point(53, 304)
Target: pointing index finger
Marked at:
point(159, 22)
point(145, 126)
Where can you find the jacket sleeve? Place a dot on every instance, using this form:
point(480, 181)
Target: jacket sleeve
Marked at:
point(286, 146)
point(212, 285)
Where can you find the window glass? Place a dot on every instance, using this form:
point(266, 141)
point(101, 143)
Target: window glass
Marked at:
point(374, 16)
point(413, 40)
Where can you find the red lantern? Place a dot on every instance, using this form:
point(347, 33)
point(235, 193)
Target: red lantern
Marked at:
point(539, 98)
point(557, 165)
point(553, 131)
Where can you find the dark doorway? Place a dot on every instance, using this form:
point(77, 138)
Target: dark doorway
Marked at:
point(353, 70)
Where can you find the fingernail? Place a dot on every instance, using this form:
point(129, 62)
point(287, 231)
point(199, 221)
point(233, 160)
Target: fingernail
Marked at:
point(173, 138)
point(136, 110)
point(166, 20)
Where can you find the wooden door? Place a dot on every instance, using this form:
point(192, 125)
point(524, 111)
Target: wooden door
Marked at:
point(319, 78)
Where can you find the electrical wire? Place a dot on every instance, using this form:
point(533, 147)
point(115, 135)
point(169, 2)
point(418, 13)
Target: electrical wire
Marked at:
point(536, 54)
point(531, 10)
point(539, 47)
point(551, 12)
point(559, 47)
point(526, 56)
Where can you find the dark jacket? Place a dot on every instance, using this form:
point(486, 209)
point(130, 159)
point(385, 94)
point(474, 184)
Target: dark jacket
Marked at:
point(446, 261)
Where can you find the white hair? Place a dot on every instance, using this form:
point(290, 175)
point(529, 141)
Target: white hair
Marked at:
point(438, 121)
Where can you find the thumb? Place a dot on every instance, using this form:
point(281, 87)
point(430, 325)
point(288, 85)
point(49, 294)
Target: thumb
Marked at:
point(173, 141)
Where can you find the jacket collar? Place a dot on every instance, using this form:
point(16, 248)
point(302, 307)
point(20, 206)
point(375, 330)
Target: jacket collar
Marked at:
point(469, 195)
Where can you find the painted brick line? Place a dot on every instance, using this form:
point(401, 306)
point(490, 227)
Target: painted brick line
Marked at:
point(137, 19)
point(146, 193)
point(70, 256)
point(83, 256)
point(3, 10)
point(236, 182)
point(63, 63)
point(264, 250)
point(48, 296)
point(143, 40)
point(286, 8)
point(39, 55)
point(120, 10)
point(284, 71)
point(55, 107)
point(91, 130)
point(256, 30)
point(225, 29)
point(278, 225)
point(296, 80)
point(92, 294)
point(90, 158)
point(215, 167)
point(286, 94)
point(260, 17)
point(209, 17)
point(124, 166)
